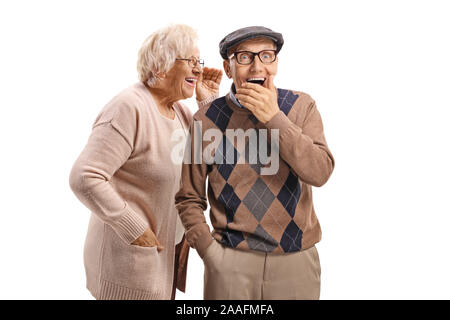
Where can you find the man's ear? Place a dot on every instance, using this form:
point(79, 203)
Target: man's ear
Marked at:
point(227, 68)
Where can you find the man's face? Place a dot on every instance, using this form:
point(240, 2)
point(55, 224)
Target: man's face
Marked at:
point(255, 70)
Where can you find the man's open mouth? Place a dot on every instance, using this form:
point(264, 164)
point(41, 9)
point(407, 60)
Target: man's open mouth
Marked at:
point(259, 81)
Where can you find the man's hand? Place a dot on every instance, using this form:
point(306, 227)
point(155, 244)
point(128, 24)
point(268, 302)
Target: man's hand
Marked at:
point(148, 239)
point(208, 83)
point(261, 101)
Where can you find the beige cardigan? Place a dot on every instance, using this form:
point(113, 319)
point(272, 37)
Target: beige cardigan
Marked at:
point(125, 176)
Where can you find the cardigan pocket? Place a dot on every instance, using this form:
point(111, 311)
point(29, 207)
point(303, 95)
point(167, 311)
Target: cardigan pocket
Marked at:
point(129, 265)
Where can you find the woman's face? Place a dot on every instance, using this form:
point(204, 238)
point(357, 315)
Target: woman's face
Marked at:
point(180, 81)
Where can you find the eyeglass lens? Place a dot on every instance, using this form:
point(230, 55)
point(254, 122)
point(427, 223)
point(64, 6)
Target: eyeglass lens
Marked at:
point(247, 57)
point(193, 62)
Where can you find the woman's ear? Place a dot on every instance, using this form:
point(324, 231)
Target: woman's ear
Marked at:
point(227, 68)
point(161, 75)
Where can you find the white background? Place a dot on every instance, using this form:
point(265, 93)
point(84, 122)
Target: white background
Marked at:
point(378, 70)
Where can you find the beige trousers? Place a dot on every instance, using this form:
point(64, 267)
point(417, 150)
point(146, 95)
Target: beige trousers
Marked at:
point(232, 274)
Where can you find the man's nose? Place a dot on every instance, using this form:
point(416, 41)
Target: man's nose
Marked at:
point(256, 64)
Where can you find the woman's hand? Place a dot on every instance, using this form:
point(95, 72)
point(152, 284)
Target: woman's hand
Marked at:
point(148, 239)
point(208, 83)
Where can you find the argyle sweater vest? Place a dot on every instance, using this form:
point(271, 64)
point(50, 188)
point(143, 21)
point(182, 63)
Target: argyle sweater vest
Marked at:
point(271, 213)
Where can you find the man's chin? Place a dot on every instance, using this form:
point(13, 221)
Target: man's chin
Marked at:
point(237, 86)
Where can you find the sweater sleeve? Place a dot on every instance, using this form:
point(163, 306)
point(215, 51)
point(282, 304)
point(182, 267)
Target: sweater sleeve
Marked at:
point(190, 200)
point(303, 146)
point(109, 147)
point(207, 101)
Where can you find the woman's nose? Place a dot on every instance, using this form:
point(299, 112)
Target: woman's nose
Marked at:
point(197, 69)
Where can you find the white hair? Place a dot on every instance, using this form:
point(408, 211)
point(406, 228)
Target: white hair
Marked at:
point(159, 51)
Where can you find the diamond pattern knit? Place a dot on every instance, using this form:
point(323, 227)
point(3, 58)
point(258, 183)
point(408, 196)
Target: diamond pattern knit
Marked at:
point(249, 210)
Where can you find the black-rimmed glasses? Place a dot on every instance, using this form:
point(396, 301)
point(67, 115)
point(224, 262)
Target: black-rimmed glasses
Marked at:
point(247, 57)
point(193, 62)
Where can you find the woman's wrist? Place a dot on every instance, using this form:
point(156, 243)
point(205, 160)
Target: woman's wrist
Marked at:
point(204, 102)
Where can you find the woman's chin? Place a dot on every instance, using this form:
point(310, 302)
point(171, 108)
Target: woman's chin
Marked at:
point(188, 94)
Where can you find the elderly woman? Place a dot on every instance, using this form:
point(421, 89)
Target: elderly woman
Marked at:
point(135, 247)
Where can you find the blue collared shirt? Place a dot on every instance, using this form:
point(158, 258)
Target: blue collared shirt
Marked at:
point(233, 98)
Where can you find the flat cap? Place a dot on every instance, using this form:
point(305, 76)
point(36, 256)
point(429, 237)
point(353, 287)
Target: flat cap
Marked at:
point(247, 33)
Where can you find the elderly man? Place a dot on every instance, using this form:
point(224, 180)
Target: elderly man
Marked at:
point(265, 227)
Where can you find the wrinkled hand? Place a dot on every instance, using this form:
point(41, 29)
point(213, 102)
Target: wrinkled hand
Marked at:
point(148, 239)
point(261, 101)
point(208, 83)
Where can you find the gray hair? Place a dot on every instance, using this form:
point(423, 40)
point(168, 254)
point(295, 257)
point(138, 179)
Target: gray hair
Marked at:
point(159, 51)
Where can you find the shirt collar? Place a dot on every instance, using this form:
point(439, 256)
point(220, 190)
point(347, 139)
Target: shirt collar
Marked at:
point(233, 98)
